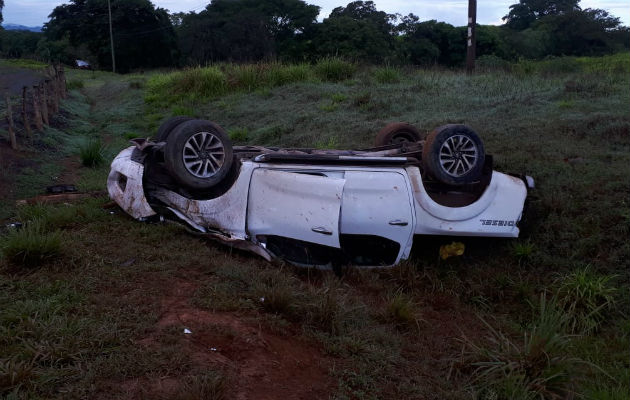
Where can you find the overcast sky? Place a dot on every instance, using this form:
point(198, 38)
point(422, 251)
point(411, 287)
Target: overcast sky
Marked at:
point(35, 12)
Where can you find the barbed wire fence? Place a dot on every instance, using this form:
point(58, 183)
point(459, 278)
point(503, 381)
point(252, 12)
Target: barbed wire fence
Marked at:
point(33, 110)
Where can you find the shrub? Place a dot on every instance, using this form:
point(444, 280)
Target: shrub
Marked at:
point(523, 249)
point(401, 309)
point(291, 74)
point(386, 75)
point(91, 153)
point(334, 69)
point(32, 245)
point(585, 297)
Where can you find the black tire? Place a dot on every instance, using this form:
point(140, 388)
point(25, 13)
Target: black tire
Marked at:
point(454, 155)
point(397, 132)
point(167, 127)
point(198, 154)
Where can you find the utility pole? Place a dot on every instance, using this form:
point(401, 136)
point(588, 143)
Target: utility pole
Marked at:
point(111, 36)
point(471, 42)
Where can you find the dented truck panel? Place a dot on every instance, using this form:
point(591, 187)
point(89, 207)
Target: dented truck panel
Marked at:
point(295, 205)
point(124, 185)
point(226, 213)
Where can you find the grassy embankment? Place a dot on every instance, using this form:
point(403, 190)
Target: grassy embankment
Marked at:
point(543, 315)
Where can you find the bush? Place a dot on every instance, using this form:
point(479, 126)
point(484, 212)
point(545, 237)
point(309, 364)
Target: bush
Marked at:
point(401, 310)
point(91, 153)
point(386, 75)
point(32, 245)
point(195, 83)
point(334, 69)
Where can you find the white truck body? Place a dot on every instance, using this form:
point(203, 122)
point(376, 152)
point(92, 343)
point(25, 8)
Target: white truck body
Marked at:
point(319, 204)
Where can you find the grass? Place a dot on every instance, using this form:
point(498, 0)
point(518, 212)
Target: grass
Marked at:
point(78, 325)
point(31, 246)
point(539, 366)
point(23, 63)
point(75, 84)
point(586, 298)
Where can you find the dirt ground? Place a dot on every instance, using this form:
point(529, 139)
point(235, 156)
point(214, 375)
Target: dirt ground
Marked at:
point(259, 364)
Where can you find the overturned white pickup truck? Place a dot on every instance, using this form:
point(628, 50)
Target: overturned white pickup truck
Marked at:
point(320, 208)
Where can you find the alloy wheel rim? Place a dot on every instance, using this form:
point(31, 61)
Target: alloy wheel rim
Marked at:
point(458, 155)
point(203, 154)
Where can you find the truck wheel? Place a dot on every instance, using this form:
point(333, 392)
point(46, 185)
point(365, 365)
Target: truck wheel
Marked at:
point(198, 154)
point(167, 127)
point(454, 155)
point(397, 132)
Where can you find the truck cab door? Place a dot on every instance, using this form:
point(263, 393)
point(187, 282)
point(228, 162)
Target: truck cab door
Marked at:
point(295, 205)
point(379, 203)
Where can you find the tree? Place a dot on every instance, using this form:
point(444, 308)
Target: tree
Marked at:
point(245, 30)
point(523, 14)
point(1, 7)
point(16, 44)
point(580, 32)
point(431, 42)
point(357, 31)
point(143, 34)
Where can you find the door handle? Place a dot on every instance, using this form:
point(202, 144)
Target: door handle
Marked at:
point(322, 230)
point(398, 222)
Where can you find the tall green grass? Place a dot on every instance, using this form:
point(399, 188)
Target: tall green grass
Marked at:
point(386, 75)
point(334, 69)
point(212, 82)
point(539, 366)
point(91, 153)
point(616, 63)
point(31, 246)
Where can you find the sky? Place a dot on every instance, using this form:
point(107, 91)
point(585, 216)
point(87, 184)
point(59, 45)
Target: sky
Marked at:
point(35, 12)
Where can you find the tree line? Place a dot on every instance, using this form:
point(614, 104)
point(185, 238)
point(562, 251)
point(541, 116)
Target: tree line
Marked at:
point(146, 36)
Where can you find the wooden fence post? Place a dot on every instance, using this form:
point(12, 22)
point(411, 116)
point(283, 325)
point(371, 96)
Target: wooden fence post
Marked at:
point(62, 82)
point(44, 103)
point(57, 96)
point(37, 115)
point(25, 121)
point(10, 121)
